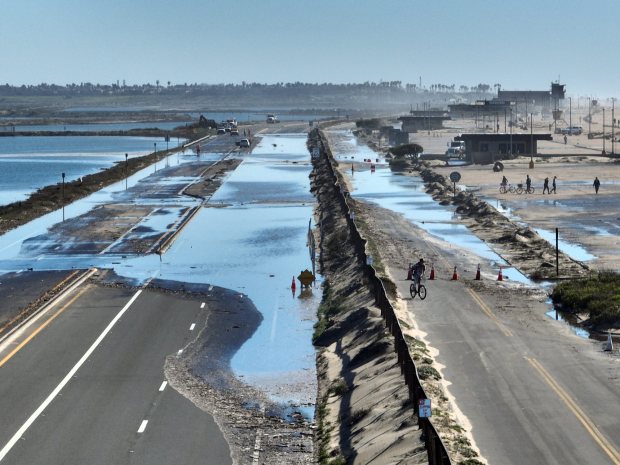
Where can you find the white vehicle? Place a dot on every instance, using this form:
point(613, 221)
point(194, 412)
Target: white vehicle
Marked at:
point(455, 153)
point(244, 143)
point(572, 130)
point(271, 118)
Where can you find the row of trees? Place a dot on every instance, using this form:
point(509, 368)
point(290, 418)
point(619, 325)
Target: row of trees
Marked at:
point(118, 88)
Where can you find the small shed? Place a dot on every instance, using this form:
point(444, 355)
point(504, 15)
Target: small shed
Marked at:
point(488, 148)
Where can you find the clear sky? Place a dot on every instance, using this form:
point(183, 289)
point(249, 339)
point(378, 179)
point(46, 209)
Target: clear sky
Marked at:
point(519, 44)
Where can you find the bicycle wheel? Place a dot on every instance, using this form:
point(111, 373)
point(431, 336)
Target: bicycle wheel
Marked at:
point(412, 290)
point(502, 189)
point(519, 190)
point(512, 189)
point(531, 190)
point(422, 291)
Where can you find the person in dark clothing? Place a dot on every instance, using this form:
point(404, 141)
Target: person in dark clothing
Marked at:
point(596, 184)
point(528, 183)
point(553, 186)
point(546, 186)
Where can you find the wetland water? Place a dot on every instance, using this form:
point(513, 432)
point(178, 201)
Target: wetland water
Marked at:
point(30, 163)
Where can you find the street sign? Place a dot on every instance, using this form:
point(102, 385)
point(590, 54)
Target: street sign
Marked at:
point(424, 408)
point(455, 176)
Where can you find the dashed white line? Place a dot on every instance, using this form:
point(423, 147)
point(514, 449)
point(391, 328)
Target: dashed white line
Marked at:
point(163, 386)
point(142, 426)
point(191, 328)
point(202, 305)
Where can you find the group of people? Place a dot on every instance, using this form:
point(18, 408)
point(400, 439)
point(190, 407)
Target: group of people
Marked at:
point(528, 184)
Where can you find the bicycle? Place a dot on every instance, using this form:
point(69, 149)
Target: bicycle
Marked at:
point(503, 189)
point(417, 288)
point(529, 190)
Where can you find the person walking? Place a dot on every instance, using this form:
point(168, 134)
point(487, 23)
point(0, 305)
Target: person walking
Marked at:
point(596, 184)
point(528, 183)
point(546, 186)
point(553, 186)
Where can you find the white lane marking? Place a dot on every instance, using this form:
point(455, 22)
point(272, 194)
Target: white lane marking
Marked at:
point(163, 386)
point(142, 426)
point(180, 352)
point(191, 328)
point(202, 305)
point(20, 432)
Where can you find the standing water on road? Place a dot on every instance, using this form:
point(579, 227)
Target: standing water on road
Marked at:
point(255, 243)
point(406, 195)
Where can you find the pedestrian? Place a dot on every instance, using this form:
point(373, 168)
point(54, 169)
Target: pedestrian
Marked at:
point(596, 184)
point(528, 183)
point(553, 186)
point(565, 139)
point(546, 186)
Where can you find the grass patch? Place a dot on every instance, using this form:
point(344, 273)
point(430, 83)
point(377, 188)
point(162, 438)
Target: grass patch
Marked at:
point(426, 371)
point(598, 296)
point(339, 388)
point(329, 307)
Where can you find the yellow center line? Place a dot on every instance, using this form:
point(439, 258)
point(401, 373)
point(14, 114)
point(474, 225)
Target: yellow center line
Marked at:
point(485, 308)
point(40, 328)
point(590, 427)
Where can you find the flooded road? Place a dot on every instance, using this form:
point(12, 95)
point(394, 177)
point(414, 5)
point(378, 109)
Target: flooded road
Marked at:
point(250, 236)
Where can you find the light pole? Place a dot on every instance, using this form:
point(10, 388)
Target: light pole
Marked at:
point(510, 151)
point(531, 140)
point(603, 129)
point(63, 197)
point(613, 124)
point(589, 116)
point(570, 114)
point(155, 153)
point(126, 157)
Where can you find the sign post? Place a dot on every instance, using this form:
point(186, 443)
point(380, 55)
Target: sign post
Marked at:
point(455, 177)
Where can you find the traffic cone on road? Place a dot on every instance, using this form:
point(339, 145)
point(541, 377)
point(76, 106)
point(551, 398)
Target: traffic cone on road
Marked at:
point(293, 286)
point(478, 273)
point(500, 276)
point(455, 276)
point(609, 346)
point(432, 276)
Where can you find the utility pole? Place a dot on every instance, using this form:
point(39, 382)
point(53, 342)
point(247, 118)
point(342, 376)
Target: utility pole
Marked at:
point(531, 140)
point(603, 129)
point(570, 114)
point(589, 116)
point(613, 124)
point(510, 151)
point(63, 197)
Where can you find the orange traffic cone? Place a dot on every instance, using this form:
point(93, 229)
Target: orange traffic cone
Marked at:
point(432, 276)
point(500, 277)
point(293, 286)
point(478, 273)
point(454, 275)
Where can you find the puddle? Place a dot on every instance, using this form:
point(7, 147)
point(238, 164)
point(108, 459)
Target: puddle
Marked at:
point(568, 319)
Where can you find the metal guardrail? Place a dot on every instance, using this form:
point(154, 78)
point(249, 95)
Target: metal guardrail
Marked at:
point(437, 452)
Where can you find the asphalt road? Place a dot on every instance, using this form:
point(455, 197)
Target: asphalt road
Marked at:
point(533, 392)
point(65, 400)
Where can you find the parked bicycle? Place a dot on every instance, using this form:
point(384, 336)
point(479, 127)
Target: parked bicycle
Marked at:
point(503, 189)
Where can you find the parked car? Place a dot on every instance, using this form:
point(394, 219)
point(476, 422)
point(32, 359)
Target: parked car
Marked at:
point(572, 130)
point(244, 143)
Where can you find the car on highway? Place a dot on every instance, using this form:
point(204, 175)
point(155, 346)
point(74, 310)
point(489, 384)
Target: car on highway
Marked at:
point(221, 130)
point(234, 132)
point(244, 143)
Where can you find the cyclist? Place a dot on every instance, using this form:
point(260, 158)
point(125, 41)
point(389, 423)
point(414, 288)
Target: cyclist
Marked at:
point(504, 181)
point(418, 271)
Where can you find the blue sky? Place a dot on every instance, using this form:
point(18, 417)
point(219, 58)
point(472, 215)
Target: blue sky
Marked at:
point(524, 44)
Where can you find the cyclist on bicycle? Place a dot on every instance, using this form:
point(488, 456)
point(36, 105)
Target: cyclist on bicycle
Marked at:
point(418, 271)
point(504, 181)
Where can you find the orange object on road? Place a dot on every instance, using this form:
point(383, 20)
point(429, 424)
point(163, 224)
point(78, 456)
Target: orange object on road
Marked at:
point(500, 276)
point(478, 273)
point(455, 276)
